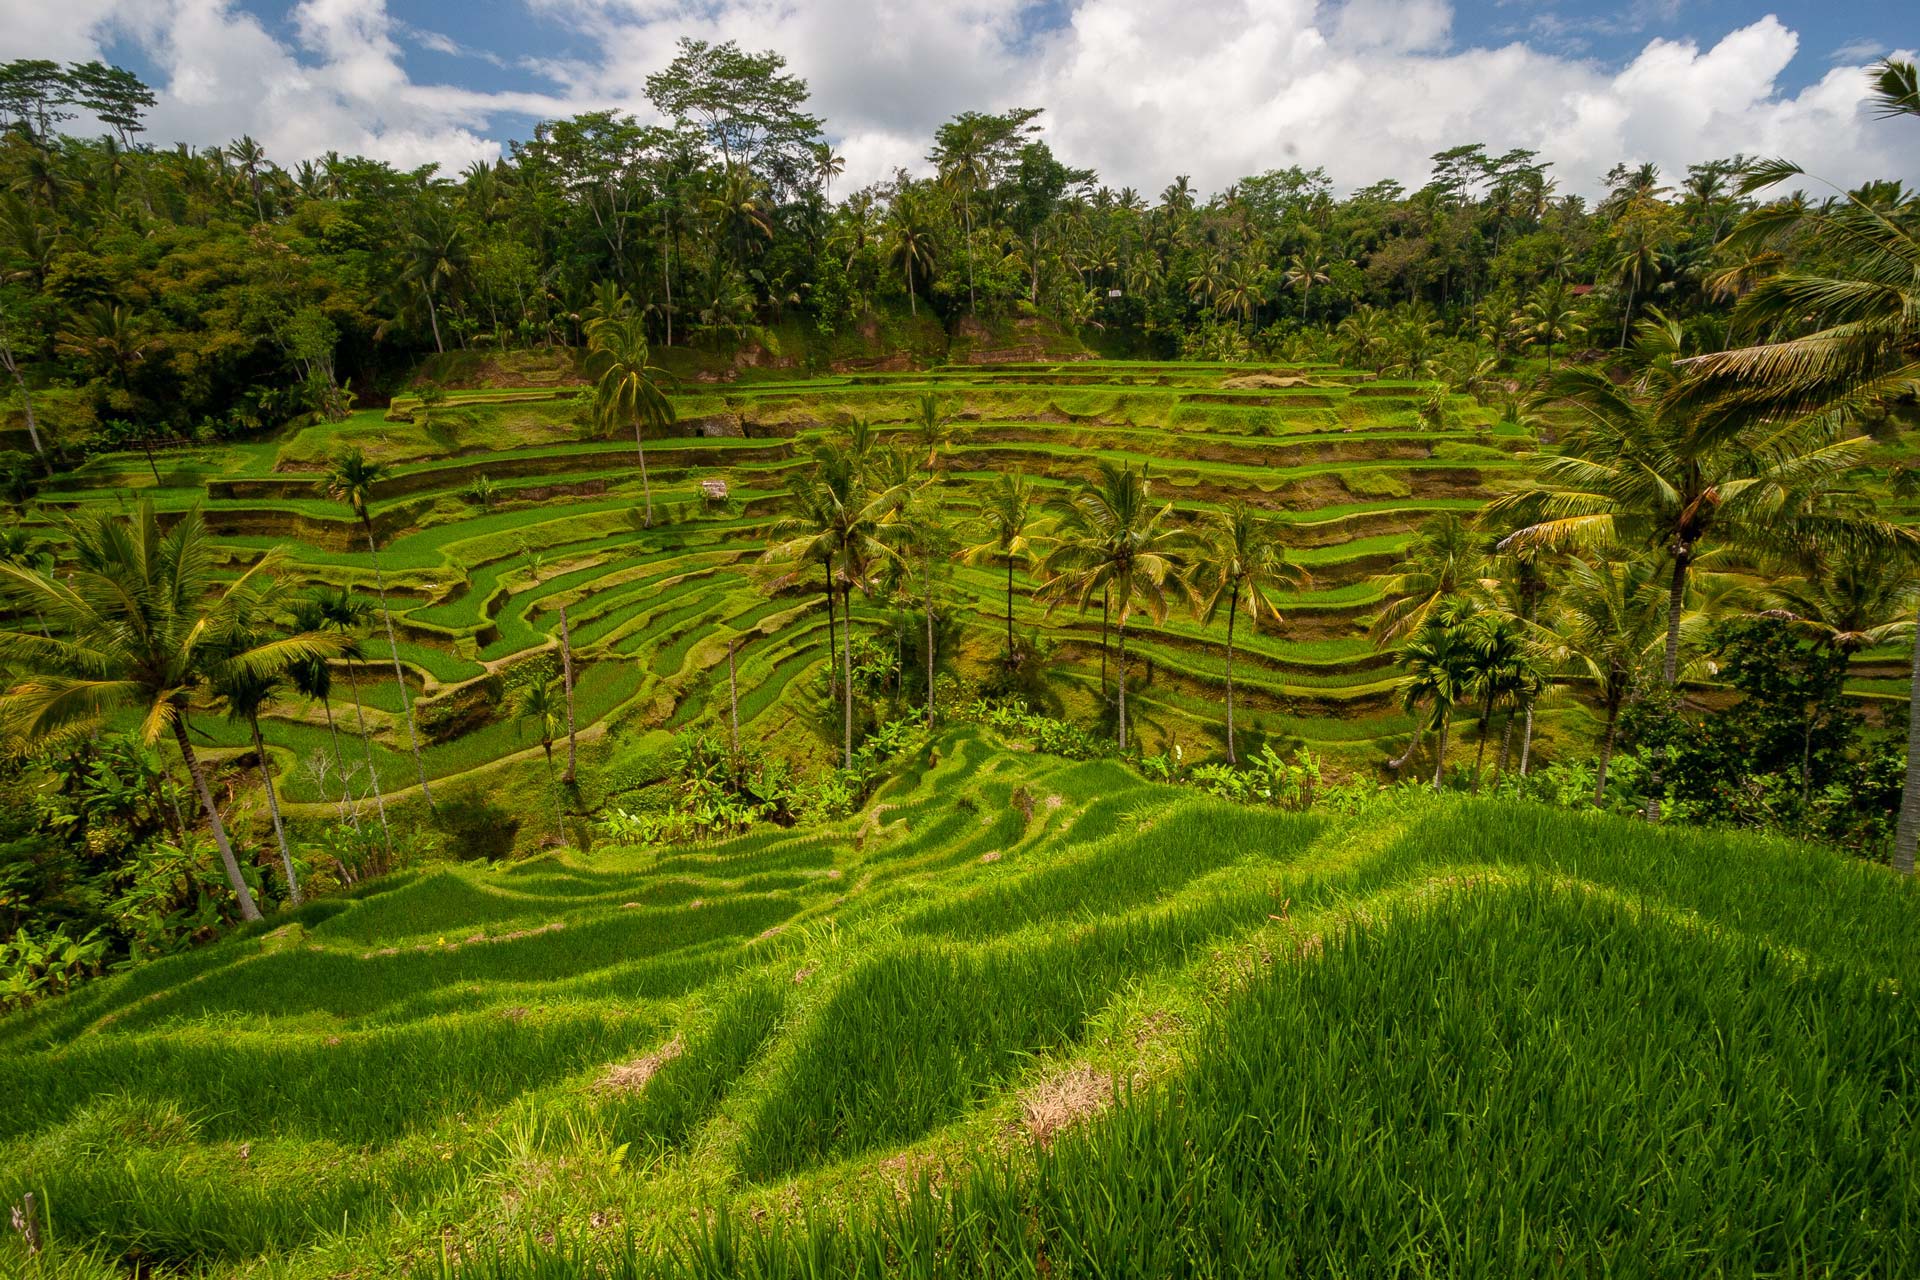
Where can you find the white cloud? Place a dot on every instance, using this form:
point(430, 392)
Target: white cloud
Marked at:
point(1139, 89)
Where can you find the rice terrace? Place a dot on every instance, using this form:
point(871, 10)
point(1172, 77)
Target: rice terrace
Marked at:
point(677, 702)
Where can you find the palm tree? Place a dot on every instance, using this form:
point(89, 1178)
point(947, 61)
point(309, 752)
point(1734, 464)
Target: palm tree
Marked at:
point(930, 426)
point(1439, 673)
point(805, 536)
point(1837, 342)
point(538, 702)
point(138, 619)
point(246, 694)
point(1501, 671)
point(351, 478)
point(1606, 625)
point(628, 386)
point(1241, 560)
point(436, 252)
point(1549, 317)
point(535, 563)
point(910, 243)
point(1445, 558)
point(313, 679)
point(1117, 544)
point(347, 617)
point(1849, 599)
point(1306, 271)
point(1646, 464)
point(840, 523)
point(1010, 518)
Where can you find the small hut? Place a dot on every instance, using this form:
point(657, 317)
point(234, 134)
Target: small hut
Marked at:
point(714, 490)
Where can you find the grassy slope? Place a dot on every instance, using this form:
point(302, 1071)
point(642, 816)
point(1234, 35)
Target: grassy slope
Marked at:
point(1458, 1037)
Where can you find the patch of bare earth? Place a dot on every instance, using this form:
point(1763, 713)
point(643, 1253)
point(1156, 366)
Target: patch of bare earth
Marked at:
point(1063, 1101)
point(632, 1077)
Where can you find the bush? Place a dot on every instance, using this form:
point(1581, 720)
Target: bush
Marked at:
point(476, 827)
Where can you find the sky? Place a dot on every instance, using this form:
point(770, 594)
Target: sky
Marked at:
point(1139, 90)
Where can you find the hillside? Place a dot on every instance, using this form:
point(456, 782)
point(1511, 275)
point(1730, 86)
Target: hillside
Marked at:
point(1447, 1036)
point(1346, 461)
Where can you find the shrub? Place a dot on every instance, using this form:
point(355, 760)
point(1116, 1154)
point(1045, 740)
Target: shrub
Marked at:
point(475, 826)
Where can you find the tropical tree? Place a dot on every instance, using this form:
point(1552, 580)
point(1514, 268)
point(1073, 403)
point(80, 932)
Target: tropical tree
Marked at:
point(1841, 341)
point(1501, 670)
point(245, 694)
point(137, 624)
point(1607, 626)
point(1115, 543)
point(312, 678)
point(535, 563)
point(1438, 660)
point(1646, 464)
point(1010, 520)
point(910, 243)
point(352, 478)
point(930, 426)
point(1445, 558)
point(538, 702)
point(347, 617)
point(627, 387)
point(1241, 560)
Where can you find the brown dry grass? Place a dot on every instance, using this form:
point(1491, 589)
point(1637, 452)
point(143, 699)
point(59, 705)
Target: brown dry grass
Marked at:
point(1062, 1101)
point(632, 1077)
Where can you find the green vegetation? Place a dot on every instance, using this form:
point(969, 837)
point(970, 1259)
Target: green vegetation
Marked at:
point(936, 801)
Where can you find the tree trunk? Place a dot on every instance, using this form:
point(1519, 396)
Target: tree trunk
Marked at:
point(666, 274)
point(1905, 837)
point(913, 303)
point(26, 401)
point(366, 747)
point(1106, 597)
point(340, 763)
point(1480, 756)
point(646, 486)
point(1526, 740)
point(433, 317)
point(733, 704)
point(1009, 612)
point(393, 648)
point(553, 794)
point(1669, 670)
point(566, 677)
point(1606, 758)
point(1233, 604)
point(1506, 744)
point(1419, 736)
point(1121, 671)
point(1440, 752)
point(248, 911)
point(833, 641)
point(929, 642)
point(846, 682)
point(273, 807)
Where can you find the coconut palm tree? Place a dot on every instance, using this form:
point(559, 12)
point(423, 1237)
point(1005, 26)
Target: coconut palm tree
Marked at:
point(1501, 670)
point(436, 255)
point(802, 537)
point(1445, 558)
point(137, 623)
point(1240, 559)
point(351, 478)
point(1836, 342)
point(1010, 519)
point(628, 387)
point(1607, 625)
point(313, 679)
point(245, 694)
point(930, 427)
point(347, 618)
point(1646, 464)
point(1116, 544)
point(538, 702)
point(840, 523)
point(1439, 673)
point(910, 243)
point(535, 562)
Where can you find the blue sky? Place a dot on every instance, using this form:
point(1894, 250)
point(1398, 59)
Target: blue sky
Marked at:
point(1140, 89)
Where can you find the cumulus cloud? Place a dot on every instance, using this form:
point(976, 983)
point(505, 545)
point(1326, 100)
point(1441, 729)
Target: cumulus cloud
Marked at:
point(1139, 89)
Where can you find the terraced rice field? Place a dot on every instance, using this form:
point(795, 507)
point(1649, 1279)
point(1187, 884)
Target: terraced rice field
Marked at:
point(1023, 1016)
point(1340, 457)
